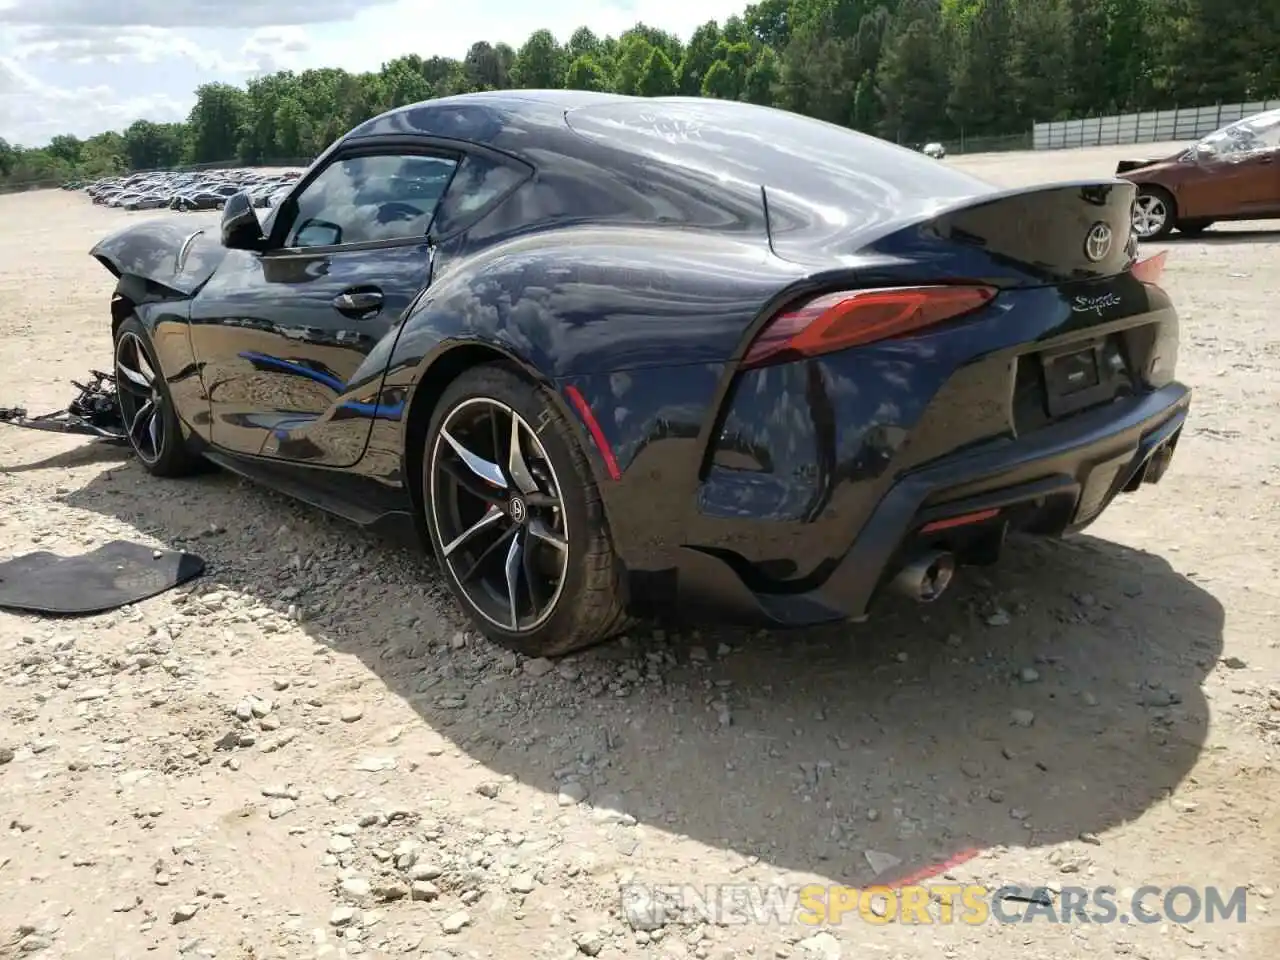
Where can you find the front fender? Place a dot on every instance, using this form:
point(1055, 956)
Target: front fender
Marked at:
point(166, 251)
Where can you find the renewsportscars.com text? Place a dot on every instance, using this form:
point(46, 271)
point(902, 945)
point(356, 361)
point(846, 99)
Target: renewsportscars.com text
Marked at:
point(946, 903)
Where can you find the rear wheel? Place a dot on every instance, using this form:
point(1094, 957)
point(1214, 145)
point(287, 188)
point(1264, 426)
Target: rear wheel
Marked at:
point(515, 517)
point(1153, 213)
point(146, 406)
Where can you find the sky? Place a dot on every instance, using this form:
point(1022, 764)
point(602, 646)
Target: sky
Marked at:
point(84, 66)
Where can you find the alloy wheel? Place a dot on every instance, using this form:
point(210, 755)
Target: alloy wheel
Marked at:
point(499, 515)
point(1149, 215)
point(140, 399)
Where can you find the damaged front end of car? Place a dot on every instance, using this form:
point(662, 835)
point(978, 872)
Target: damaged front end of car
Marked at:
point(94, 412)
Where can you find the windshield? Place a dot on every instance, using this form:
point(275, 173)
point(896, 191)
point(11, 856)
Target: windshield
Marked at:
point(1242, 139)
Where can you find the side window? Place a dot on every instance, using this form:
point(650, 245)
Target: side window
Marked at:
point(478, 182)
point(359, 199)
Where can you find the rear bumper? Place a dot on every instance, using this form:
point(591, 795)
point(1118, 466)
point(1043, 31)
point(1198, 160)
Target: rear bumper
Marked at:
point(1057, 480)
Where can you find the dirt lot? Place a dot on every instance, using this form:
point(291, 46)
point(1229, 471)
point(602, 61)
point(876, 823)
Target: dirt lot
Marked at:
point(306, 756)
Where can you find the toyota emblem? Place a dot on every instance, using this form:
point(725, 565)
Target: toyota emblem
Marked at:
point(1097, 244)
point(516, 509)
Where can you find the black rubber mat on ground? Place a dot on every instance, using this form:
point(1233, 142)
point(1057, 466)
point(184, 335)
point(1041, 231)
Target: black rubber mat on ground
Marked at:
point(104, 579)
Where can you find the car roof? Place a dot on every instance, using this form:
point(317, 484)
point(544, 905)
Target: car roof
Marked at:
point(739, 144)
point(483, 117)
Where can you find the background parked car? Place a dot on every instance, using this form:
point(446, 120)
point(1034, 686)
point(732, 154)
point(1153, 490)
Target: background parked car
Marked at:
point(202, 190)
point(1232, 174)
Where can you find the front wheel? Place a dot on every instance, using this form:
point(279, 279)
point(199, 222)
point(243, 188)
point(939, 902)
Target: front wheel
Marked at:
point(515, 517)
point(1153, 213)
point(146, 406)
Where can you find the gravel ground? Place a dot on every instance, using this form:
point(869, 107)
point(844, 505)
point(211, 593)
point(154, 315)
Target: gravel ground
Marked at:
point(304, 754)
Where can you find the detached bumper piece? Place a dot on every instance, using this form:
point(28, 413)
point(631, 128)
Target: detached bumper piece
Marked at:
point(95, 412)
point(1057, 480)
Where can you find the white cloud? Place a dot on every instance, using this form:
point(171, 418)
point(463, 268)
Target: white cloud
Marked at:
point(274, 48)
point(88, 45)
point(82, 66)
point(33, 112)
point(180, 13)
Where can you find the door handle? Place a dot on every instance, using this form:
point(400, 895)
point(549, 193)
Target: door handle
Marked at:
point(358, 303)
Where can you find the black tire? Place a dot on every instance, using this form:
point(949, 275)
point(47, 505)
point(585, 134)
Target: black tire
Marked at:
point(1193, 228)
point(1154, 198)
point(155, 432)
point(582, 600)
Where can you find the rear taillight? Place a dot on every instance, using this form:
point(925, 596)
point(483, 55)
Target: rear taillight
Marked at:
point(1151, 269)
point(850, 318)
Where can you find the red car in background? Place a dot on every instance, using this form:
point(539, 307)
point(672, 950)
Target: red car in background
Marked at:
point(1232, 174)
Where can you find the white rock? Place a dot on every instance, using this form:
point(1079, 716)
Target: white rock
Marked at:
point(523, 883)
point(821, 945)
point(454, 922)
point(572, 793)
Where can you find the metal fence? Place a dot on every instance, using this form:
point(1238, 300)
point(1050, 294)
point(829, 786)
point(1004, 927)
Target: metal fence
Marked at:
point(1154, 126)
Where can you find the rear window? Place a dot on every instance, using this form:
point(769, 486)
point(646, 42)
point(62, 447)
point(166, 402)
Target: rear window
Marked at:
point(805, 164)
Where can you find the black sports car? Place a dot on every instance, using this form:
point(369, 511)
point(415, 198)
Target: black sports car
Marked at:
point(616, 356)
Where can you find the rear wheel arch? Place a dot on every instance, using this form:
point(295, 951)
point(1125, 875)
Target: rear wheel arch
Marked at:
point(434, 379)
point(430, 385)
point(594, 606)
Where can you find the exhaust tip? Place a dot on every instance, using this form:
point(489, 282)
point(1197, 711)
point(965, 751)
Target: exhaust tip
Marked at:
point(927, 577)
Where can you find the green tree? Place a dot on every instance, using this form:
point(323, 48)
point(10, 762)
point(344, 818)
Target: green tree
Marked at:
point(540, 63)
point(698, 57)
point(294, 134)
point(906, 69)
point(586, 74)
point(659, 77)
point(583, 43)
point(720, 82)
point(66, 149)
point(215, 122)
point(912, 73)
point(770, 22)
point(402, 84)
point(979, 97)
point(762, 79)
point(633, 57)
point(487, 68)
point(1039, 42)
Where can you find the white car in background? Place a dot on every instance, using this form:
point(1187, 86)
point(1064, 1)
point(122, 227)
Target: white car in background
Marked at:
point(935, 150)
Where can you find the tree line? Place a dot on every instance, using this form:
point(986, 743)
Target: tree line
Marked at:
point(905, 70)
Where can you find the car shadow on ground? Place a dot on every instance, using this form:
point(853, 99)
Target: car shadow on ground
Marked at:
point(75, 457)
point(1055, 696)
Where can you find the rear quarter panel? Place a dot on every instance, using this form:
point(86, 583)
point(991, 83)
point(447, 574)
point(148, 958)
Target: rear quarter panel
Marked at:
point(591, 300)
point(660, 308)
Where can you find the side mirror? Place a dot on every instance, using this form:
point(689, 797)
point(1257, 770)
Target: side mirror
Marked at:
point(240, 227)
point(318, 233)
